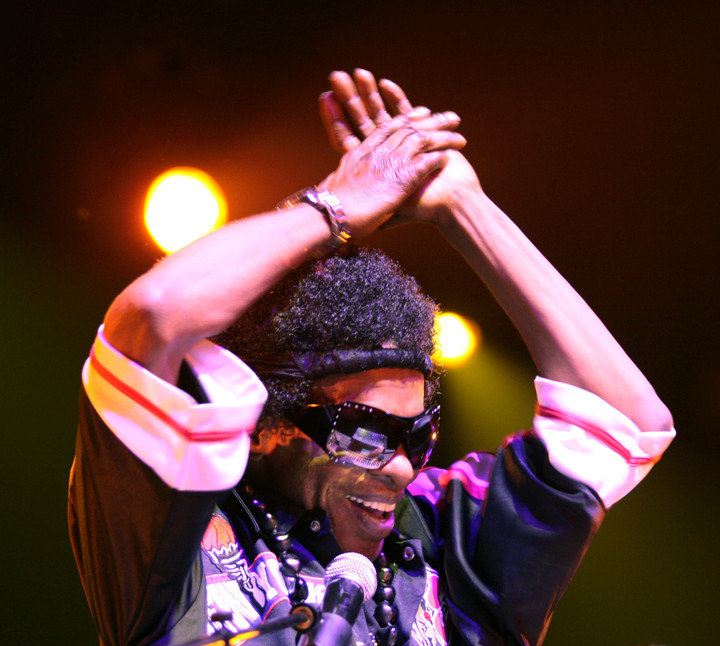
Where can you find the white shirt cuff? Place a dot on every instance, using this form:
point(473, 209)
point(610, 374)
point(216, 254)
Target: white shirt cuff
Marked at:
point(591, 441)
point(190, 446)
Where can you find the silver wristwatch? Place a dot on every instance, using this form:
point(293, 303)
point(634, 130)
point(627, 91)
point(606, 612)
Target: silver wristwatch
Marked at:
point(330, 206)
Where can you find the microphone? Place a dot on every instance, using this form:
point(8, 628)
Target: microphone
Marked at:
point(350, 580)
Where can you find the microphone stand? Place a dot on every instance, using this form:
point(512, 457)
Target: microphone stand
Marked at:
point(302, 617)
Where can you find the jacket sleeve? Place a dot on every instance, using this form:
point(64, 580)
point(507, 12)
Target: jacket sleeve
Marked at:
point(150, 464)
point(514, 528)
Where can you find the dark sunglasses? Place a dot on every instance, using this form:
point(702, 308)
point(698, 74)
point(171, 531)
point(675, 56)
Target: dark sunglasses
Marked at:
point(358, 435)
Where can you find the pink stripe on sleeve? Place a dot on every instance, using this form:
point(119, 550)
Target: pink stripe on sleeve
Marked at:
point(140, 399)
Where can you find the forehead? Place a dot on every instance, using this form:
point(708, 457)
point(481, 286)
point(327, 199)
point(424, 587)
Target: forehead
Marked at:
point(400, 391)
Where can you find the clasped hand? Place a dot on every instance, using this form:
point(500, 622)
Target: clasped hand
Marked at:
point(357, 107)
point(377, 176)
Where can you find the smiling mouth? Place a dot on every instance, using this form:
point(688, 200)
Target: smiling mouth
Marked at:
point(380, 510)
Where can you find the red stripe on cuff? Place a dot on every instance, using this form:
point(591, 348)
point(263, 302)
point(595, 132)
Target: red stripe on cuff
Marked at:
point(598, 433)
point(139, 398)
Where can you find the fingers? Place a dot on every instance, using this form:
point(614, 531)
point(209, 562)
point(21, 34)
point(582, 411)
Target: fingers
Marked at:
point(395, 97)
point(408, 139)
point(444, 140)
point(381, 173)
point(340, 134)
point(343, 86)
point(448, 120)
point(365, 105)
point(400, 129)
point(356, 106)
point(428, 164)
point(373, 101)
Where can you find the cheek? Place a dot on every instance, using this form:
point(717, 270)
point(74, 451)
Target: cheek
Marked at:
point(334, 482)
point(297, 471)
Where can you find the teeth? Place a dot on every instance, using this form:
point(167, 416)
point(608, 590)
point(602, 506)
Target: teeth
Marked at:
point(372, 504)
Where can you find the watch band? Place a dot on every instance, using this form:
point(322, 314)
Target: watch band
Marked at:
point(330, 206)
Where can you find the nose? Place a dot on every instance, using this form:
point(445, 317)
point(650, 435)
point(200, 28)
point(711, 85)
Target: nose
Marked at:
point(398, 470)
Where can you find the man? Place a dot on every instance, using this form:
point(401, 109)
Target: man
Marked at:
point(165, 531)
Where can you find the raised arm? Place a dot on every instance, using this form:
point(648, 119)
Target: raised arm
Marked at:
point(203, 288)
point(567, 341)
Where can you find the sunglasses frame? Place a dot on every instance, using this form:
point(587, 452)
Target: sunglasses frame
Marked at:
point(322, 423)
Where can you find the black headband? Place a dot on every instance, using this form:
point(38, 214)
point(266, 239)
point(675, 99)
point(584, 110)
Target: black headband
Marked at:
point(312, 365)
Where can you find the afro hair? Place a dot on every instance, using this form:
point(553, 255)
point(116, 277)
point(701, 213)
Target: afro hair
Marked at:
point(357, 299)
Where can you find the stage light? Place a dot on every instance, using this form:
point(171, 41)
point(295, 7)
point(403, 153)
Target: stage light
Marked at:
point(457, 340)
point(183, 204)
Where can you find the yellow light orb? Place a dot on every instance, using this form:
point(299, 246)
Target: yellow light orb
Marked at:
point(457, 338)
point(183, 204)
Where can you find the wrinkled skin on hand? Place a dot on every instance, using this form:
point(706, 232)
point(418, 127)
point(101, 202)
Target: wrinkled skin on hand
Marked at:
point(378, 174)
point(357, 105)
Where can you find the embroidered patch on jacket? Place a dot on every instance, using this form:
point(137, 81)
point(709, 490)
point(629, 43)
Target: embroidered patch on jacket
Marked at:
point(260, 583)
point(429, 626)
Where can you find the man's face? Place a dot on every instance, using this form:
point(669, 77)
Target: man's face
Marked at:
point(358, 502)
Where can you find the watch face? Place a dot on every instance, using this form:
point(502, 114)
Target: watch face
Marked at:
point(330, 200)
point(330, 206)
point(310, 196)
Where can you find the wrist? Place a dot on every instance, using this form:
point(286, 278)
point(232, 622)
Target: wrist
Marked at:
point(465, 204)
point(331, 208)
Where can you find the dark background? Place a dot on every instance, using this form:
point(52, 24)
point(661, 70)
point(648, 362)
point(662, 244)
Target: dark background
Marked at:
point(593, 124)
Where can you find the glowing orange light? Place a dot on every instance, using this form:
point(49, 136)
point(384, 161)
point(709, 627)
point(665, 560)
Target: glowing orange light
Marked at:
point(183, 204)
point(457, 339)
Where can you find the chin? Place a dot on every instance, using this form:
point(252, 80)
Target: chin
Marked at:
point(370, 549)
point(357, 531)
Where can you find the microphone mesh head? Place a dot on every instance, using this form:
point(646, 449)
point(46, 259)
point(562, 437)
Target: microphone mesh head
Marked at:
point(357, 568)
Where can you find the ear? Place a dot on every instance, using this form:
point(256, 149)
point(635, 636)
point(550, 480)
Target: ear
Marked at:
point(271, 433)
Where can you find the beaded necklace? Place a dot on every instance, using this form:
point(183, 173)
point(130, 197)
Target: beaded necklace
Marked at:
point(280, 542)
point(385, 611)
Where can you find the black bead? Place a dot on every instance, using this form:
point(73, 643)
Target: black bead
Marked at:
point(291, 562)
point(259, 505)
point(283, 542)
point(385, 575)
point(383, 613)
point(381, 561)
point(384, 593)
point(300, 590)
point(268, 523)
point(387, 636)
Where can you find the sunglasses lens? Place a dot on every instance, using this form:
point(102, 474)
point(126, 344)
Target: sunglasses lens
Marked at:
point(421, 440)
point(366, 437)
point(358, 438)
point(363, 449)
